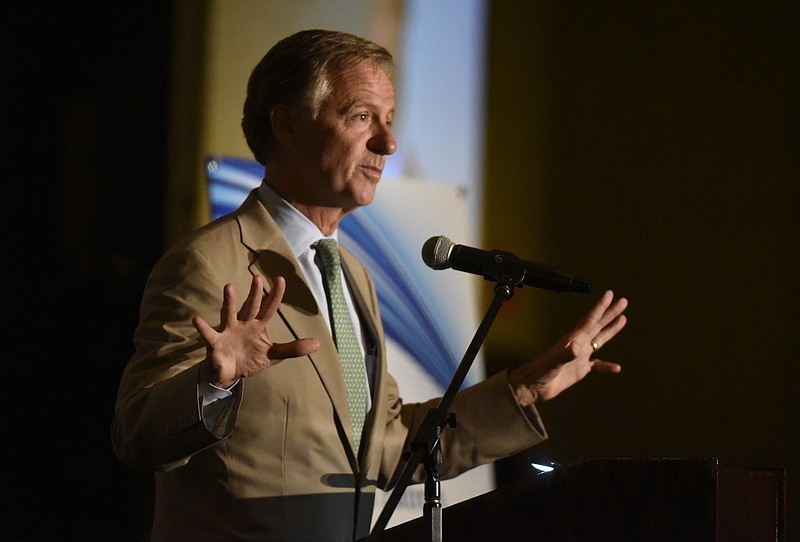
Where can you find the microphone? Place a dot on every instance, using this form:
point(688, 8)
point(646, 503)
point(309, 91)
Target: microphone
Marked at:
point(441, 253)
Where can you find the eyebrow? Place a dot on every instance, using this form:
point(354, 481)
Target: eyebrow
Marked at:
point(367, 104)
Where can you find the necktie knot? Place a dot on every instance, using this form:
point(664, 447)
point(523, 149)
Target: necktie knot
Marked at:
point(328, 250)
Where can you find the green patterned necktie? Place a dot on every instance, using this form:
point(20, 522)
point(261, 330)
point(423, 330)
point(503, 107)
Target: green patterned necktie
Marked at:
point(355, 378)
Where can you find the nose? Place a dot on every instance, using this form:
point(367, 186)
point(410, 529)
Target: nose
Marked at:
point(382, 141)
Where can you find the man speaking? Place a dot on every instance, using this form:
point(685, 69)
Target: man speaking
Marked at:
point(274, 417)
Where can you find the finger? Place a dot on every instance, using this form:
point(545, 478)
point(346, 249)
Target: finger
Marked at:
point(613, 311)
point(610, 331)
point(596, 313)
point(227, 314)
point(270, 305)
point(204, 329)
point(252, 304)
point(599, 366)
point(602, 330)
point(293, 349)
point(571, 351)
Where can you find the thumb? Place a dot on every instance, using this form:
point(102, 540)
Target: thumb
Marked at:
point(293, 349)
point(599, 366)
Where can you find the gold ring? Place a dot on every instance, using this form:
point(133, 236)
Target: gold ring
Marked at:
point(595, 346)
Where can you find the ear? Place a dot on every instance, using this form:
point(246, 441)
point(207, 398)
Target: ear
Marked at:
point(281, 118)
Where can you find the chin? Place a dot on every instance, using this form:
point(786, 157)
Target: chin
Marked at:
point(366, 194)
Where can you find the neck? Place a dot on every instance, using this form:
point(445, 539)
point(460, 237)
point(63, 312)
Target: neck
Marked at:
point(325, 217)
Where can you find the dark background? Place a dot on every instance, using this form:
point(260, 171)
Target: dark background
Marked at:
point(651, 148)
point(85, 94)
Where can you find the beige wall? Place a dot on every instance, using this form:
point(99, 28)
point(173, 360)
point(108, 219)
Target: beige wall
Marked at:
point(239, 33)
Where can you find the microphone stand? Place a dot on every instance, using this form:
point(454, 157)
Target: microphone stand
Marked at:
point(425, 446)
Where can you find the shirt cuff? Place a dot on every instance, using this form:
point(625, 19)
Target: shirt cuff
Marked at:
point(217, 405)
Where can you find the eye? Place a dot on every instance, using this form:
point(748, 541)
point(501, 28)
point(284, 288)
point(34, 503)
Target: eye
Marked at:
point(361, 117)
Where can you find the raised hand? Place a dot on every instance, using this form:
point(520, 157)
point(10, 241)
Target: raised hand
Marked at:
point(241, 346)
point(570, 359)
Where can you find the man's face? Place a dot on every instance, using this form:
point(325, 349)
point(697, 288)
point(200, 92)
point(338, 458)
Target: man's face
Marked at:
point(343, 151)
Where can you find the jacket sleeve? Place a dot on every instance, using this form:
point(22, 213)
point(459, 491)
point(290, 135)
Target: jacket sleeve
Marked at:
point(490, 425)
point(157, 420)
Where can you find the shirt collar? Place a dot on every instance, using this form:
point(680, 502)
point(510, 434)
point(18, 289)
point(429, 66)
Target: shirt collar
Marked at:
point(298, 230)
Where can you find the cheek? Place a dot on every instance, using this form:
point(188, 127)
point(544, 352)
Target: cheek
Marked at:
point(334, 159)
point(342, 155)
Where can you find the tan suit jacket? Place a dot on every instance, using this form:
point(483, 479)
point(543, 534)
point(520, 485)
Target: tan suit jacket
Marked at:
point(285, 468)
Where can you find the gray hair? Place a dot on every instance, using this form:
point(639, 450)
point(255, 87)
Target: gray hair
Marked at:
point(296, 72)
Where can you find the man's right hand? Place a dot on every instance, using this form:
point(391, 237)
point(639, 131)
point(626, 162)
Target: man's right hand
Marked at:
point(241, 346)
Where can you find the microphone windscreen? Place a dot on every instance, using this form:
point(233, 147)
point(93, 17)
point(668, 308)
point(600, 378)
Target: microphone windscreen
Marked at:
point(436, 252)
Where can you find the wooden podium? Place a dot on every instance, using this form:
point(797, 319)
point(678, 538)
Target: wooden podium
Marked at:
point(648, 500)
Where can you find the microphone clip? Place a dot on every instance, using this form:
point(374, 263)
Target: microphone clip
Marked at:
point(507, 270)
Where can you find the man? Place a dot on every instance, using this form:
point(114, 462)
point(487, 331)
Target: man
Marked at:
point(246, 443)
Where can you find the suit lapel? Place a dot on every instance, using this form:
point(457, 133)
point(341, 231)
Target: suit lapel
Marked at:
point(299, 310)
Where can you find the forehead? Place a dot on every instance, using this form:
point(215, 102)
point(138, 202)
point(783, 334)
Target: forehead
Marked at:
point(365, 81)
